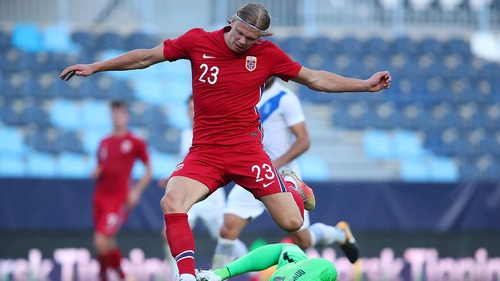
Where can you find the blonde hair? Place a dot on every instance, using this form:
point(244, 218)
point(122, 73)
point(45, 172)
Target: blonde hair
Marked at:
point(256, 16)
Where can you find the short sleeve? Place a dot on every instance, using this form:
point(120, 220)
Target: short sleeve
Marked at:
point(142, 151)
point(174, 49)
point(292, 110)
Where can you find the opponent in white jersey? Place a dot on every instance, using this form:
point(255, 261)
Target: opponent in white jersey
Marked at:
point(285, 138)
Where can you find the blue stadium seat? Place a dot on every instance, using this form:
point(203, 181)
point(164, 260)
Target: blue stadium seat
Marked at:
point(11, 166)
point(27, 37)
point(57, 38)
point(122, 90)
point(9, 93)
point(91, 139)
point(168, 142)
point(63, 89)
point(89, 88)
point(35, 114)
point(313, 168)
point(140, 40)
point(162, 164)
point(377, 144)
point(85, 39)
point(469, 171)
point(322, 46)
point(403, 45)
point(31, 88)
point(349, 45)
point(66, 115)
point(41, 165)
point(375, 46)
point(110, 40)
point(294, 45)
point(407, 145)
point(73, 165)
point(28, 61)
point(443, 170)
point(95, 114)
point(9, 116)
point(430, 46)
point(69, 141)
point(4, 40)
point(12, 143)
point(458, 46)
point(414, 170)
point(41, 142)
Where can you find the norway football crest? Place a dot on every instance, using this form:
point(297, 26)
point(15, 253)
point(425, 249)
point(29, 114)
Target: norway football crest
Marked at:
point(251, 63)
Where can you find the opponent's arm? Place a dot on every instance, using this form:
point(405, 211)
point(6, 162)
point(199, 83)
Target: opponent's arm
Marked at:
point(136, 59)
point(324, 81)
point(301, 145)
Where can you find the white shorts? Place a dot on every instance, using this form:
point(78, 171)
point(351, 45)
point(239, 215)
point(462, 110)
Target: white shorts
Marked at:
point(210, 211)
point(241, 203)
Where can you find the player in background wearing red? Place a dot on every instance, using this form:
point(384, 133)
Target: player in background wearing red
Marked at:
point(229, 67)
point(113, 195)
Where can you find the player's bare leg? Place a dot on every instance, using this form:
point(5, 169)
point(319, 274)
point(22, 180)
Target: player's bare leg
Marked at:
point(181, 194)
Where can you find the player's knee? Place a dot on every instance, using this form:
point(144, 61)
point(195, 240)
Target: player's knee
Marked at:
point(169, 204)
point(228, 232)
point(292, 224)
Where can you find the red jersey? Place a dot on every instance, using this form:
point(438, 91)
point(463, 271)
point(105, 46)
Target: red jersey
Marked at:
point(227, 86)
point(116, 157)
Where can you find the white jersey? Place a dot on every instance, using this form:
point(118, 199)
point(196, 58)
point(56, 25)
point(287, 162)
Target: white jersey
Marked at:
point(210, 210)
point(279, 110)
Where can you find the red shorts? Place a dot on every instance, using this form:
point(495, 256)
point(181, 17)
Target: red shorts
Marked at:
point(246, 164)
point(109, 215)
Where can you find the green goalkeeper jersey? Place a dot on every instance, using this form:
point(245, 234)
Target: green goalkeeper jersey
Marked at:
point(294, 265)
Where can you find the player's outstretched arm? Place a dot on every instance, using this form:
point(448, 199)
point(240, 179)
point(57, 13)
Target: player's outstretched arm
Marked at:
point(136, 59)
point(324, 81)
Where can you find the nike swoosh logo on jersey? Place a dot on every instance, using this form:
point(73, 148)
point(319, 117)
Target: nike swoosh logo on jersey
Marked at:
point(267, 184)
point(205, 56)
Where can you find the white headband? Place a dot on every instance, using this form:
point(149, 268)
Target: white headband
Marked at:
point(251, 25)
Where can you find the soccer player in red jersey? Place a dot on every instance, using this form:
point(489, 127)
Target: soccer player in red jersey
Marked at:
point(229, 68)
point(113, 197)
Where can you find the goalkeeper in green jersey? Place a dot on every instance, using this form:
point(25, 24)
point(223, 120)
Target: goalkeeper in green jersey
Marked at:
point(293, 264)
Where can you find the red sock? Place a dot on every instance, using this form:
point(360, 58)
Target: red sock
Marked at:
point(115, 261)
point(181, 241)
point(296, 196)
point(104, 262)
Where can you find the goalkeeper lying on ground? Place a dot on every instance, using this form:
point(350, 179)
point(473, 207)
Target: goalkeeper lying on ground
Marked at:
point(293, 264)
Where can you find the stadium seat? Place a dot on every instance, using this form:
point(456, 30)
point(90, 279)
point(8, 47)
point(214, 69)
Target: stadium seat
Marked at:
point(443, 170)
point(457, 46)
point(73, 165)
point(350, 46)
point(414, 170)
point(110, 40)
point(313, 168)
point(41, 165)
point(375, 46)
point(26, 36)
point(162, 164)
point(322, 46)
point(407, 145)
point(57, 38)
point(63, 89)
point(168, 142)
point(9, 93)
point(11, 166)
point(122, 90)
point(28, 61)
point(9, 116)
point(85, 39)
point(403, 45)
point(40, 141)
point(65, 115)
point(5, 40)
point(35, 114)
point(430, 46)
point(140, 40)
point(95, 114)
point(91, 139)
point(31, 88)
point(378, 144)
point(12, 143)
point(68, 141)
